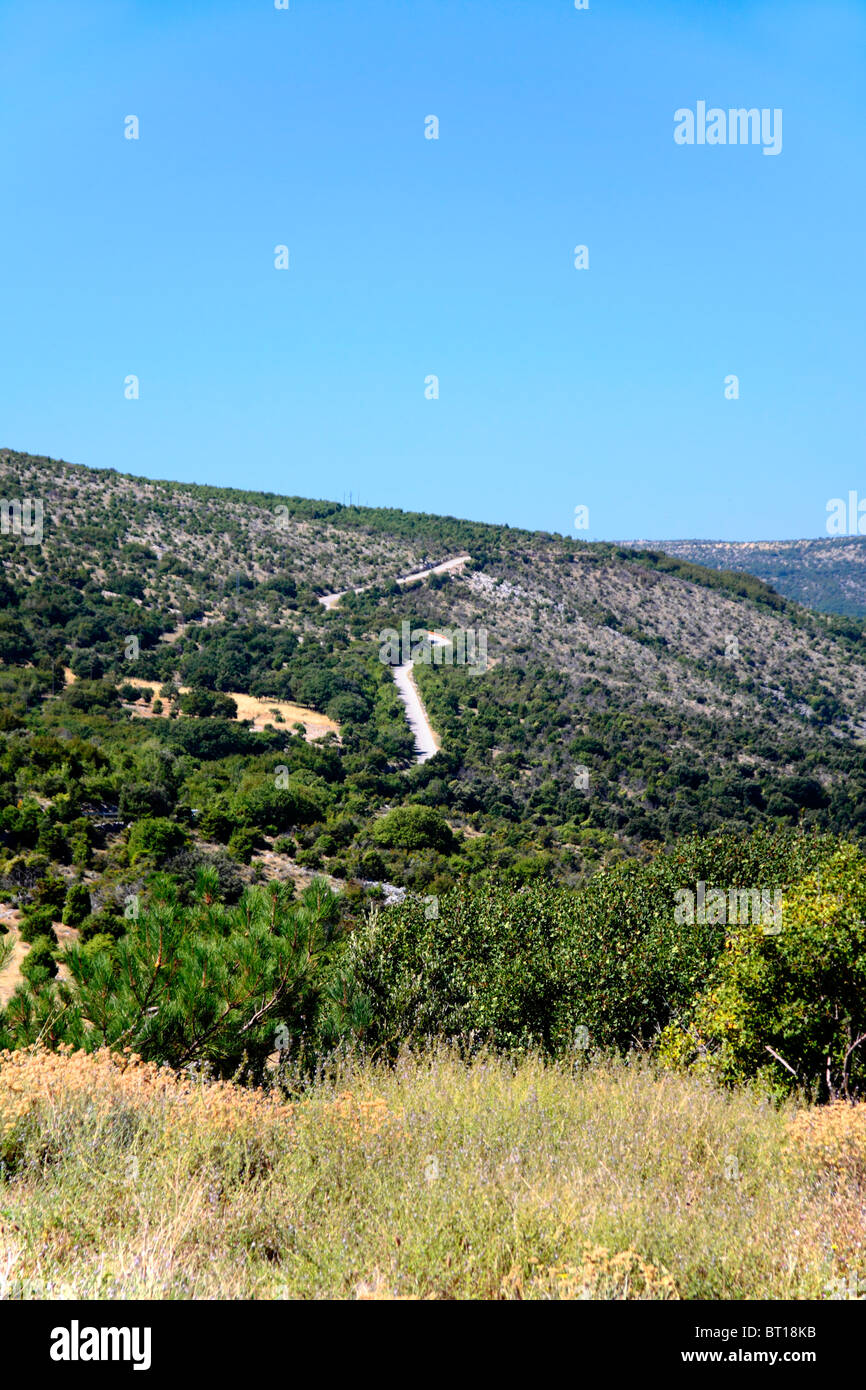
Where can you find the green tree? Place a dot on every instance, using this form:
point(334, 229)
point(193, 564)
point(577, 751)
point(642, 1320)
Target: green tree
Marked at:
point(206, 983)
point(414, 827)
point(789, 1005)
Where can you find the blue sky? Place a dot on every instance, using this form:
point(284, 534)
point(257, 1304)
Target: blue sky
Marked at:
point(411, 257)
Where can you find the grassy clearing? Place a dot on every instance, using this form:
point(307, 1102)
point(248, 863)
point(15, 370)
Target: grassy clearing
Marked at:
point(434, 1179)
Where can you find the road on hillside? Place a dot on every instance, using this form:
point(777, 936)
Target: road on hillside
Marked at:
point(426, 742)
point(331, 600)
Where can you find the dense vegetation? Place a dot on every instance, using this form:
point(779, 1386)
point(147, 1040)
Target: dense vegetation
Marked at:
point(645, 724)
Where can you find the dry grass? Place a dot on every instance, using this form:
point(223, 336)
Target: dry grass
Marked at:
point(834, 1137)
point(431, 1179)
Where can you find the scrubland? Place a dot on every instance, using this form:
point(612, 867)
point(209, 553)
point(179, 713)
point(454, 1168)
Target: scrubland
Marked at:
point(432, 1178)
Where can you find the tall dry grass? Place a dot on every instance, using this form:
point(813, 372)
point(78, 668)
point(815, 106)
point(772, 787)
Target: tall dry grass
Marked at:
point(432, 1179)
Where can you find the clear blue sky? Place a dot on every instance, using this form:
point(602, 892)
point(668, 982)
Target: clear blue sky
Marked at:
point(411, 257)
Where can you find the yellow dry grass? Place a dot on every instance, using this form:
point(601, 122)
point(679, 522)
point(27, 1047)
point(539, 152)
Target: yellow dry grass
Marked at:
point(833, 1137)
point(430, 1178)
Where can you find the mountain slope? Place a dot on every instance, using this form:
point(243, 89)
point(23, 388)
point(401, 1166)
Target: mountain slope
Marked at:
point(629, 696)
point(828, 573)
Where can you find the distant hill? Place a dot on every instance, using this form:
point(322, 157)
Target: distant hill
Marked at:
point(828, 573)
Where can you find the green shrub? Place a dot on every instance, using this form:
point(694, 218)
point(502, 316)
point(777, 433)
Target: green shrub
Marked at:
point(185, 868)
point(154, 837)
point(309, 858)
point(242, 843)
point(519, 967)
point(53, 842)
point(50, 891)
point(36, 922)
point(414, 827)
point(272, 809)
point(99, 944)
point(77, 905)
point(39, 965)
point(204, 704)
point(204, 983)
point(106, 922)
point(91, 695)
point(215, 820)
point(789, 1005)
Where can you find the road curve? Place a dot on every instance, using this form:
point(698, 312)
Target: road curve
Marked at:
point(426, 742)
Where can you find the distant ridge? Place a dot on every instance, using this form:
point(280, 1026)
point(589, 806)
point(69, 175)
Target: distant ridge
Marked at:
point(827, 573)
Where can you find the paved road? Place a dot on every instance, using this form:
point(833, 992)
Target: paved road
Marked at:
point(331, 600)
point(426, 742)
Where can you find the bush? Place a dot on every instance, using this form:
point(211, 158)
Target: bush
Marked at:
point(348, 708)
point(36, 922)
point(140, 800)
point(414, 827)
point(215, 821)
point(39, 965)
point(185, 866)
point(309, 859)
point(204, 704)
point(242, 842)
point(204, 983)
point(527, 967)
point(91, 695)
point(154, 837)
point(789, 1007)
point(106, 922)
point(53, 842)
point(99, 944)
point(50, 891)
point(77, 905)
point(272, 809)
point(372, 865)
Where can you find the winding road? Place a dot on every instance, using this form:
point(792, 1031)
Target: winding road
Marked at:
point(426, 742)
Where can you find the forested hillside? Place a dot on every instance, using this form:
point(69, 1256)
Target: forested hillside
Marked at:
point(827, 573)
point(629, 697)
point(219, 846)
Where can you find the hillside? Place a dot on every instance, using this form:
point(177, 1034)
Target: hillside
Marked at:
point(828, 573)
point(248, 927)
point(628, 696)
